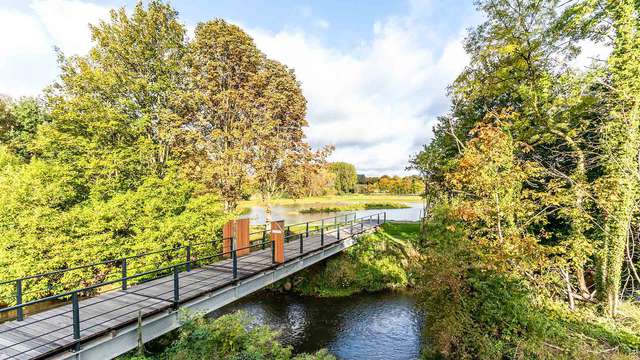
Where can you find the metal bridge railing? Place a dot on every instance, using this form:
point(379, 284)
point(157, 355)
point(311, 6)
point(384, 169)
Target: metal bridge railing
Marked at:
point(327, 230)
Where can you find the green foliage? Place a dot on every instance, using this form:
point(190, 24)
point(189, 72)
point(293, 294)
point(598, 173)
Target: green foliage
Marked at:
point(19, 122)
point(530, 186)
point(351, 207)
point(391, 185)
point(232, 336)
point(346, 177)
point(45, 228)
point(382, 260)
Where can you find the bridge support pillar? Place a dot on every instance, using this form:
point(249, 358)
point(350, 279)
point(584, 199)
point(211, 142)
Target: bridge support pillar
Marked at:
point(277, 241)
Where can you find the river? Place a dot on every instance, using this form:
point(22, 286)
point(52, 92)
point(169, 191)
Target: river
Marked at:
point(291, 214)
point(385, 325)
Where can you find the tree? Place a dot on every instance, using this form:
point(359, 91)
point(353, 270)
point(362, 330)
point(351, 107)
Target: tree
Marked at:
point(105, 179)
point(346, 177)
point(117, 110)
point(223, 64)
point(617, 189)
point(280, 154)
point(19, 122)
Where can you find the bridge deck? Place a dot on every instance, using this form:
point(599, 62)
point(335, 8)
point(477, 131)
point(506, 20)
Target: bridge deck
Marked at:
point(51, 331)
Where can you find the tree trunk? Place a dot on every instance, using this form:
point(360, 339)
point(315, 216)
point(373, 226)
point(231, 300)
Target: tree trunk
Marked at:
point(619, 147)
point(268, 214)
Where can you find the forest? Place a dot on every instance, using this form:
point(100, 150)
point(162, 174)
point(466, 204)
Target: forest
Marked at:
point(532, 188)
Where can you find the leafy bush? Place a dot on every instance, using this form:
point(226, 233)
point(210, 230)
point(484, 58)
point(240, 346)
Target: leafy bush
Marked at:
point(230, 337)
point(378, 261)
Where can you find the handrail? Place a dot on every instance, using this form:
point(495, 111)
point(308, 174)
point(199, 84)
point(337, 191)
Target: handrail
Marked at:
point(123, 279)
point(173, 294)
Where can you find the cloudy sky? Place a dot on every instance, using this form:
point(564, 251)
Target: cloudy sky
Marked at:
point(374, 72)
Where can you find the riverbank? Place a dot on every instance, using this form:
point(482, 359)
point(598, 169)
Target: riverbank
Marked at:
point(383, 260)
point(353, 306)
point(337, 199)
point(354, 207)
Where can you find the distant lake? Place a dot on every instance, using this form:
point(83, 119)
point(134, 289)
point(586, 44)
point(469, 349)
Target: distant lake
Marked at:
point(291, 215)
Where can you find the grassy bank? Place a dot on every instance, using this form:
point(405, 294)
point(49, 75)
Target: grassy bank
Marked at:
point(353, 207)
point(382, 260)
point(350, 198)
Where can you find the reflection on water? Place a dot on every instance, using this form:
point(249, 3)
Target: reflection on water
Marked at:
point(290, 213)
point(366, 326)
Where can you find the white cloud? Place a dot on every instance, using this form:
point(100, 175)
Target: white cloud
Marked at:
point(378, 102)
point(67, 22)
point(28, 61)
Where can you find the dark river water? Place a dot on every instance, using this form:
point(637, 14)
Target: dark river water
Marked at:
point(384, 325)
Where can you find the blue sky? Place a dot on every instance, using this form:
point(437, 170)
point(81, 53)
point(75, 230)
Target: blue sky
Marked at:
point(374, 72)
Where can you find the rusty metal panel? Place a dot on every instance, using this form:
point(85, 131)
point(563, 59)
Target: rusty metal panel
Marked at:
point(227, 235)
point(277, 236)
point(242, 237)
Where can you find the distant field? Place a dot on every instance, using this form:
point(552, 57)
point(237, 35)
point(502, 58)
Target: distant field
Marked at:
point(334, 199)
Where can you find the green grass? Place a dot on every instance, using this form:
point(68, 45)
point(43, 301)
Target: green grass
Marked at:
point(356, 206)
point(379, 261)
point(333, 199)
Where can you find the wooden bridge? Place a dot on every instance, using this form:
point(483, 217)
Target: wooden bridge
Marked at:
point(140, 302)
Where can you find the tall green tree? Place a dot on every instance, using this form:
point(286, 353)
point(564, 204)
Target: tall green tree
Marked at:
point(281, 156)
point(117, 110)
point(19, 121)
point(617, 189)
point(346, 177)
point(224, 63)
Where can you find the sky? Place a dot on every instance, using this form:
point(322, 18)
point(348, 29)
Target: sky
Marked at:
point(374, 72)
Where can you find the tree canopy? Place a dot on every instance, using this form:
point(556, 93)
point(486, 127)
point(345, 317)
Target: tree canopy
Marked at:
point(146, 142)
point(533, 172)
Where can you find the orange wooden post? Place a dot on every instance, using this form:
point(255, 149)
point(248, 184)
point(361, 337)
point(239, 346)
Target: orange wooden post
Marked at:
point(242, 237)
point(277, 241)
point(227, 238)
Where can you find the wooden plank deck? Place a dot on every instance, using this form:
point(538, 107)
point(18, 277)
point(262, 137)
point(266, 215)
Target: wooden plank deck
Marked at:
point(50, 331)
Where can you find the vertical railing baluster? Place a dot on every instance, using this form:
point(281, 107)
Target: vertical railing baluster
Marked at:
point(264, 238)
point(176, 287)
point(322, 236)
point(351, 231)
point(75, 309)
point(338, 231)
point(301, 246)
point(124, 274)
point(307, 229)
point(235, 263)
point(378, 221)
point(20, 310)
point(188, 257)
point(385, 217)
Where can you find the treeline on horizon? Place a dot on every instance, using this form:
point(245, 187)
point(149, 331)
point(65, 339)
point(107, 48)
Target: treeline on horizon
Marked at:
point(533, 186)
point(148, 141)
point(340, 178)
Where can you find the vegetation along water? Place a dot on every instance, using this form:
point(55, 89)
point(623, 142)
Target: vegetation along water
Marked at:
point(525, 211)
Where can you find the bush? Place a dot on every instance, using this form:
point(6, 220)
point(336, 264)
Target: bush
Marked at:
point(378, 261)
point(231, 337)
